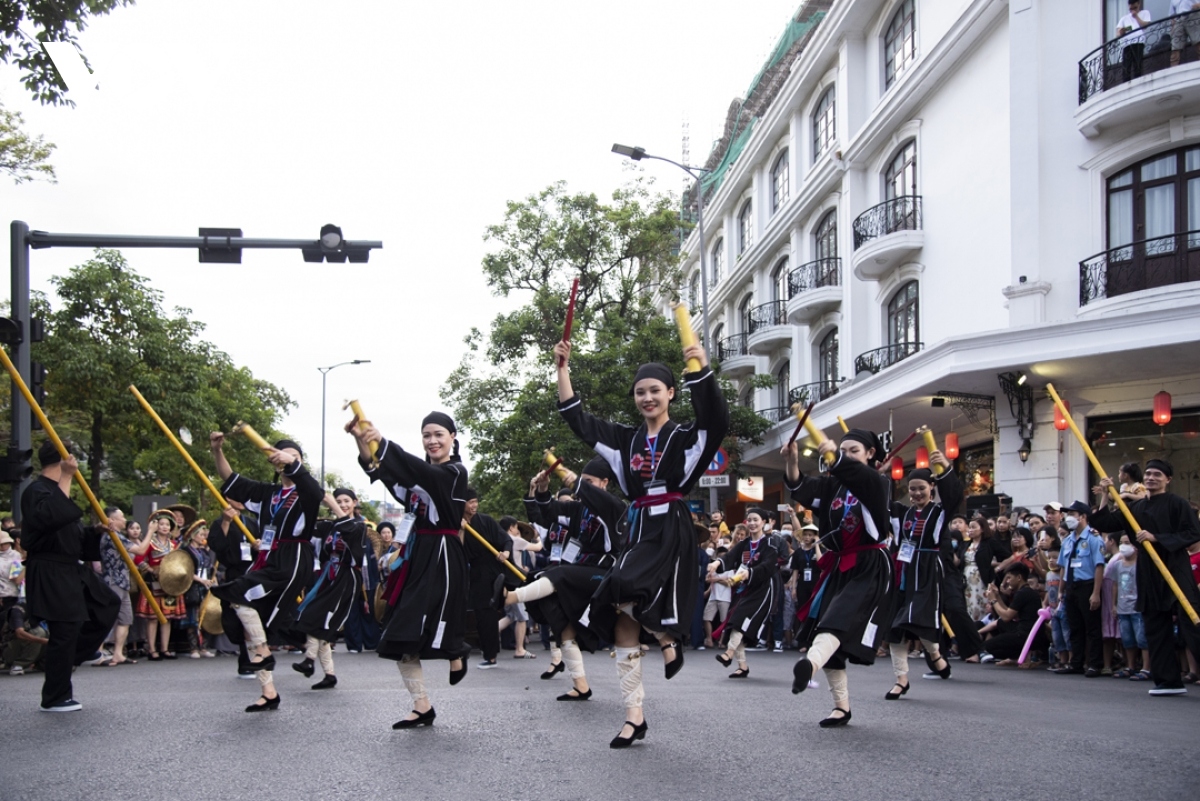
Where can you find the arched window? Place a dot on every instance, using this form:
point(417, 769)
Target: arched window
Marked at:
point(825, 239)
point(744, 313)
point(903, 317)
point(900, 42)
point(780, 187)
point(1156, 198)
point(694, 290)
point(900, 179)
point(718, 261)
point(779, 281)
point(745, 227)
point(783, 385)
point(827, 361)
point(824, 124)
point(717, 335)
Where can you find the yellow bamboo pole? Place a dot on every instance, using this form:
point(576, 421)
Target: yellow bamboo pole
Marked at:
point(554, 465)
point(246, 430)
point(493, 551)
point(96, 507)
point(946, 626)
point(191, 462)
point(819, 436)
point(931, 446)
point(359, 417)
point(683, 319)
point(842, 423)
point(1134, 526)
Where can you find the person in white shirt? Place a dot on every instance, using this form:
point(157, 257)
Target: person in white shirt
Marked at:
point(1131, 29)
point(1187, 27)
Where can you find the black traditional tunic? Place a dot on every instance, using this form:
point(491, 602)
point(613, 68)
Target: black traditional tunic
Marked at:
point(282, 570)
point(922, 542)
point(583, 535)
point(340, 583)
point(426, 594)
point(754, 598)
point(851, 600)
point(657, 572)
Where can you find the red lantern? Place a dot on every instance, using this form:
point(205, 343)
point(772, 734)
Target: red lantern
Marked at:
point(951, 446)
point(1060, 422)
point(922, 457)
point(897, 468)
point(1162, 408)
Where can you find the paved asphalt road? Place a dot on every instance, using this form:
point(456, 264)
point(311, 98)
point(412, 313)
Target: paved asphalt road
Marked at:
point(177, 731)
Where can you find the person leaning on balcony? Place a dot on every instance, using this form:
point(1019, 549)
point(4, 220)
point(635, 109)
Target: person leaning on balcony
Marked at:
point(1133, 38)
point(1188, 26)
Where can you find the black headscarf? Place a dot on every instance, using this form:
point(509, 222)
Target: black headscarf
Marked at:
point(920, 474)
point(344, 491)
point(597, 467)
point(445, 421)
point(48, 454)
point(1156, 464)
point(657, 371)
point(284, 444)
point(869, 439)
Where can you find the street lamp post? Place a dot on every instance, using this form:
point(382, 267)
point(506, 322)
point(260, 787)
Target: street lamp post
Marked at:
point(324, 373)
point(639, 153)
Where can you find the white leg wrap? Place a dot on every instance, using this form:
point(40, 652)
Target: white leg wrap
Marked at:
point(266, 678)
point(573, 659)
point(256, 635)
point(739, 653)
point(735, 640)
point(931, 649)
point(556, 654)
point(629, 670)
point(311, 644)
point(535, 590)
point(325, 654)
point(839, 687)
point(900, 659)
point(824, 646)
point(414, 678)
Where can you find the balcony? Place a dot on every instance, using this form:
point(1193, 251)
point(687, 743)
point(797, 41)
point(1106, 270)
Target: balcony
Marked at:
point(735, 358)
point(814, 289)
point(768, 327)
point(881, 358)
point(812, 393)
point(775, 415)
point(886, 235)
point(1152, 263)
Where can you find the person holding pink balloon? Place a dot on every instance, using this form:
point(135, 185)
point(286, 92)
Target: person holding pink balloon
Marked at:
point(1018, 615)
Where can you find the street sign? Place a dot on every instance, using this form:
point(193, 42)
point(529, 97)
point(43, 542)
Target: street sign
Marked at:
point(718, 465)
point(714, 481)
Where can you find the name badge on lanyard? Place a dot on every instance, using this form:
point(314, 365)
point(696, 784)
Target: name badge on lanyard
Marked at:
point(267, 538)
point(808, 574)
point(907, 549)
point(571, 552)
point(556, 552)
point(658, 488)
point(246, 553)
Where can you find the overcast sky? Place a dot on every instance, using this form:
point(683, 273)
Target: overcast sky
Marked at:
point(402, 122)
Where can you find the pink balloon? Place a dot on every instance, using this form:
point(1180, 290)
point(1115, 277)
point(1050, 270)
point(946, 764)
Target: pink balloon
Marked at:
point(1043, 615)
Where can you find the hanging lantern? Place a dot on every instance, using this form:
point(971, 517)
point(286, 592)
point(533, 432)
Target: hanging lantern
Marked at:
point(922, 457)
point(951, 446)
point(897, 468)
point(1060, 422)
point(1162, 408)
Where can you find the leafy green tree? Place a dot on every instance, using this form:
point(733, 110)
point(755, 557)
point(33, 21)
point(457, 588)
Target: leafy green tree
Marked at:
point(503, 393)
point(23, 157)
point(110, 332)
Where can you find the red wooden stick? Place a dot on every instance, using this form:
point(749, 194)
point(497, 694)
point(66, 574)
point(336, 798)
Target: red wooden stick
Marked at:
point(803, 420)
point(546, 473)
point(570, 315)
point(887, 460)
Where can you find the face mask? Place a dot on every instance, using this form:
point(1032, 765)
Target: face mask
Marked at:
point(1127, 550)
point(1071, 523)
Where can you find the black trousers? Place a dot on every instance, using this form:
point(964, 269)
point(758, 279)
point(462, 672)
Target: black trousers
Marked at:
point(487, 619)
point(362, 630)
point(59, 660)
point(1131, 58)
point(1160, 636)
point(1010, 644)
point(954, 606)
point(232, 626)
point(1085, 626)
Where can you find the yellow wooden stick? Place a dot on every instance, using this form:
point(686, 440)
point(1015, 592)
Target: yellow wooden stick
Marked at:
point(249, 433)
point(683, 319)
point(493, 551)
point(842, 423)
point(554, 462)
point(191, 462)
point(931, 446)
point(946, 626)
point(356, 407)
point(819, 435)
point(1129, 518)
point(96, 507)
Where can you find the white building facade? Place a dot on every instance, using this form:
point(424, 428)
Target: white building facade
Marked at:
point(943, 196)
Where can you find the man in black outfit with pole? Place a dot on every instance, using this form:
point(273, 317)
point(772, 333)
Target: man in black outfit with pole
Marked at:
point(76, 605)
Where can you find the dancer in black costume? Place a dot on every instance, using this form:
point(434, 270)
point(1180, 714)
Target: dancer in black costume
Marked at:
point(756, 588)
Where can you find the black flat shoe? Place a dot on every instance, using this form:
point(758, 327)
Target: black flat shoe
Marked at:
point(305, 666)
point(578, 696)
point(264, 664)
point(639, 733)
point(271, 704)
point(458, 675)
point(326, 683)
point(554, 670)
point(740, 673)
point(802, 674)
point(421, 719)
point(944, 673)
point(892, 695)
point(675, 665)
point(498, 593)
point(832, 722)
point(724, 660)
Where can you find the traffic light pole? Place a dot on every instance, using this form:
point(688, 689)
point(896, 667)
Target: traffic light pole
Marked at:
point(219, 245)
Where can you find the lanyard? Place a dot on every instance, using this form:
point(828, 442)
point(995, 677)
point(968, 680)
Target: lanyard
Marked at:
point(279, 499)
point(652, 442)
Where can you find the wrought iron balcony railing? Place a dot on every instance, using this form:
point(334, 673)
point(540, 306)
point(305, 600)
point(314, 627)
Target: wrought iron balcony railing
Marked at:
point(1137, 53)
point(815, 392)
point(768, 314)
point(898, 214)
point(815, 274)
point(775, 415)
point(1163, 261)
point(875, 360)
point(731, 347)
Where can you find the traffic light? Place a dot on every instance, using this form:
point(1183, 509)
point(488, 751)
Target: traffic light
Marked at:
point(37, 387)
point(16, 466)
